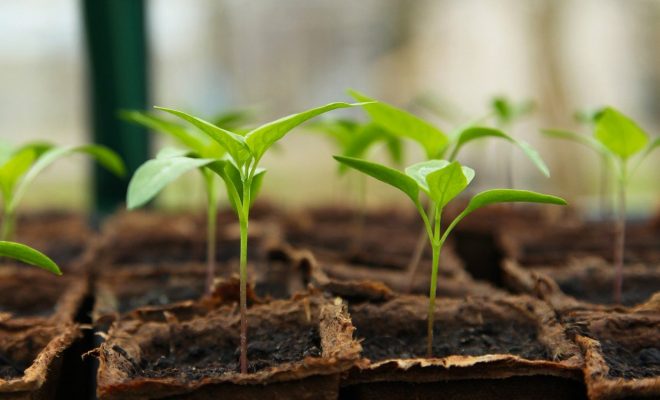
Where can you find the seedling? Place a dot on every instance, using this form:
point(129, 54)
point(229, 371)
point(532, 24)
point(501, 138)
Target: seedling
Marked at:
point(441, 181)
point(19, 167)
point(506, 113)
point(354, 139)
point(242, 176)
point(437, 145)
point(155, 174)
point(28, 255)
point(618, 139)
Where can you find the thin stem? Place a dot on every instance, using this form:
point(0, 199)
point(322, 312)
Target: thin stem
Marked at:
point(243, 220)
point(436, 246)
point(8, 223)
point(620, 237)
point(413, 265)
point(211, 228)
point(604, 192)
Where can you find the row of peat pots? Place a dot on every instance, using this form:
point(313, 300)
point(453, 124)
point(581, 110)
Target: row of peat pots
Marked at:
point(524, 309)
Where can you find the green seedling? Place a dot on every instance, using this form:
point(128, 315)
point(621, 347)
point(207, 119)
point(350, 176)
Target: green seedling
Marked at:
point(618, 139)
point(355, 139)
point(242, 176)
point(438, 145)
point(441, 181)
point(19, 167)
point(28, 255)
point(170, 164)
point(589, 118)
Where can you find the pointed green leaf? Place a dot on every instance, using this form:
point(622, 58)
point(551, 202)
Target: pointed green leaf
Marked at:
point(233, 143)
point(187, 138)
point(257, 182)
point(167, 152)
point(510, 196)
point(584, 140)
point(448, 182)
point(154, 175)
point(103, 155)
point(261, 138)
point(420, 170)
point(390, 176)
point(28, 255)
point(480, 132)
point(618, 133)
point(405, 124)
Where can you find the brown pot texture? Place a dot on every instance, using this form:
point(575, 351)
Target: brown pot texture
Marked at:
point(583, 283)
point(484, 348)
point(622, 352)
point(297, 350)
point(33, 294)
point(31, 358)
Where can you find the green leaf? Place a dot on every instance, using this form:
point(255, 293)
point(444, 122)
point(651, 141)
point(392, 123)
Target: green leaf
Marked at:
point(420, 170)
point(405, 124)
point(479, 132)
point(103, 155)
point(154, 175)
point(232, 178)
point(341, 131)
point(233, 143)
point(167, 152)
point(619, 134)
point(577, 138)
point(28, 255)
point(494, 196)
point(448, 182)
point(261, 138)
point(13, 169)
point(178, 132)
point(390, 176)
point(257, 182)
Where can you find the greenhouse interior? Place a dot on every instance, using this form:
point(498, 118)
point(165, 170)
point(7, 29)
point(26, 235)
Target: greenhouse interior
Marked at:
point(314, 199)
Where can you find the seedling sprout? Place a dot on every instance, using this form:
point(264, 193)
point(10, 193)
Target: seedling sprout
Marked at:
point(441, 181)
point(242, 176)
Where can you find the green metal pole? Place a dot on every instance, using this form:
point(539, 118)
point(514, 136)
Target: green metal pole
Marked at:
point(117, 75)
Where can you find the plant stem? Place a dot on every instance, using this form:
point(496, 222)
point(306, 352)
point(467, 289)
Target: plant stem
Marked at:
point(211, 227)
point(604, 192)
point(243, 220)
point(413, 265)
point(620, 237)
point(8, 222)
point(436, 245)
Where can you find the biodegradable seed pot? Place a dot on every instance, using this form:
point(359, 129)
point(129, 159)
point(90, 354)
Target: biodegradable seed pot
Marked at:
point(298, 349)
point(484, 348)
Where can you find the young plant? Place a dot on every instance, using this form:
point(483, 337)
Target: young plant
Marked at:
point(441, 181)
point(354, 139)
point(506, 113)
point(19, 167)
point(155, 174)
point(242, 176)
point(619, 138)
point(28, 255)
point(437, 145)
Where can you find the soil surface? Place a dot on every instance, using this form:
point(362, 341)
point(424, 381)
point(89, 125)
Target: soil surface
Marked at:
point(635, 290)
point(266, 348)
point(385, 336)
point(34, 293)
point(10, 369)
point(631, 363)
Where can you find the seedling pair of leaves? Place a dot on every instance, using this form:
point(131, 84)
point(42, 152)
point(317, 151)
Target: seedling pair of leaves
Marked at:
point(619, 140)
point(18, 168)
point(238, 168)
point(441, 181)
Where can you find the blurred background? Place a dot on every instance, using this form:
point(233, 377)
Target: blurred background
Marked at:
point(282, 56)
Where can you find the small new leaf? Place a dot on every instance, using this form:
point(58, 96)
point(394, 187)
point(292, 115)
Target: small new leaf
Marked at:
point(448, 182)
point(154, 175)
point(28, 255)
point(405, 124)
point(619, 134)
point(178, 132)
point(260, 139)
point(479, 132)
point(510, 196)
point(390, 176)
point(420, 170)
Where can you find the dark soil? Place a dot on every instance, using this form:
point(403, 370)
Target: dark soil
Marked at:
point(597, 289)
point(385, 338)
point(500, 337)
point(266, 348)
point(10, 369)
point(628, 363)
point(163, 294)
point(34, 293)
